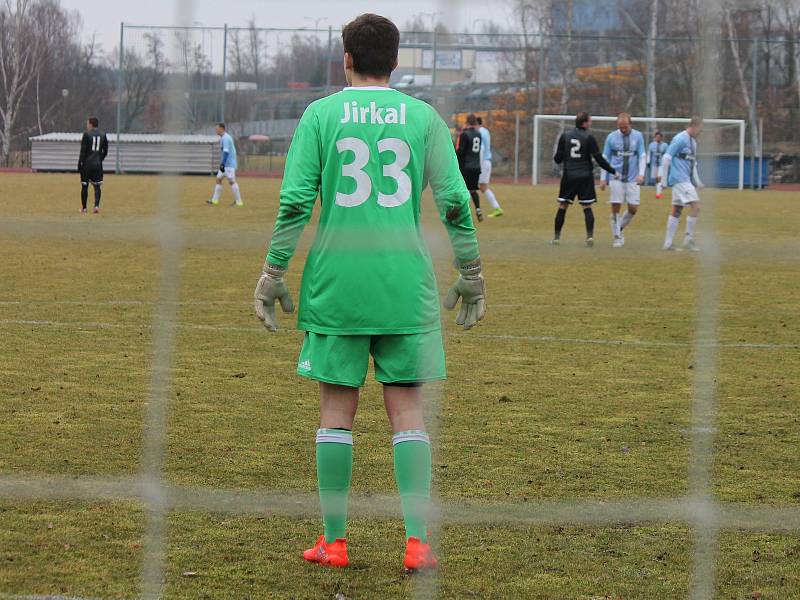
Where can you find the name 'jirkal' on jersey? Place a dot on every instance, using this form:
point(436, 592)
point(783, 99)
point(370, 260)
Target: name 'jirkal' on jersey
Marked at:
point(376, 115)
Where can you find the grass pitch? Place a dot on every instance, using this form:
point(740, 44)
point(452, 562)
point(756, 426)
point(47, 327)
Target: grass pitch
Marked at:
point(578, 385)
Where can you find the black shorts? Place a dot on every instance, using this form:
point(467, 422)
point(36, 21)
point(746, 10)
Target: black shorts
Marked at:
point(582, 187)
point(92, 175)
point(471, 177)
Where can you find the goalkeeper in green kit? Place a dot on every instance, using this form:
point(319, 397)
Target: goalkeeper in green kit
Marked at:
point(368, 285)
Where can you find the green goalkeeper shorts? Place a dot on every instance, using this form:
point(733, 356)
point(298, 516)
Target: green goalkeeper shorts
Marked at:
point(399, 358)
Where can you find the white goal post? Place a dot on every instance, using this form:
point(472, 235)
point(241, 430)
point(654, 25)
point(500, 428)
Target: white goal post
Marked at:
point(538, 119)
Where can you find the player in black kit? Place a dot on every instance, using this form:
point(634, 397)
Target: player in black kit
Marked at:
point(94, 148)
point(576, 148)
point(468, 150)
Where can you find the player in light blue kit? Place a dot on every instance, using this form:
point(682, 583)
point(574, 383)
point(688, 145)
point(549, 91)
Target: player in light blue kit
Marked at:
point(680, 164)
point(486, 170)
point(624, 149)
point(655, 153)
point(227, 167)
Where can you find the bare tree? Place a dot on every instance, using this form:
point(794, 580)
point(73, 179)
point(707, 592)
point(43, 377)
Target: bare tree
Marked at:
point(734, 46)
point(21, 58)
point(566, 61)
point(143, 76)
point(791, 16)
point(236, 53)
point(254, 50)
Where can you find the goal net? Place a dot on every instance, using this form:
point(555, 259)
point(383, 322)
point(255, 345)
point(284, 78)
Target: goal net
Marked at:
point(725, 136)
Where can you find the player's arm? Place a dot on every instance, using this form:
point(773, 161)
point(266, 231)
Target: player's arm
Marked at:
point(642, 161)
point(85, 142)
point(696, 176)
point(666, 160)
point(664, 170)
point(452, 201)
point(594, 151)
point(462, 145)
point(605, 176)
point(223, 161)
point(299, 190)
point(559, 156)
point(104, 148)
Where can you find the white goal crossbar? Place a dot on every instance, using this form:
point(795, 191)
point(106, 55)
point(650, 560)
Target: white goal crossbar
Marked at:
point(537, 119)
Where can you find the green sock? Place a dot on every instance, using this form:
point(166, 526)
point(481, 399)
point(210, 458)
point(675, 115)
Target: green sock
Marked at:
point(334, 471)
point(412, 471)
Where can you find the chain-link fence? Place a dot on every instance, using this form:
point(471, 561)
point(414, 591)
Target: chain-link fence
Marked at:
point(261, 80)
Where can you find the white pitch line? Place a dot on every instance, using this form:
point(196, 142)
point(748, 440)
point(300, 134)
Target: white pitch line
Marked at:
point(559, 307)
point(472, 334)
point(568, 511)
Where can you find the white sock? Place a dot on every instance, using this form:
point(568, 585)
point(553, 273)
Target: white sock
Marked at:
point(217, 191)
point(672, 227)
point(626, 218)
point(690, 223)
point(659, 188)
point(492, 200)
point(615, 224)
point(237, 194)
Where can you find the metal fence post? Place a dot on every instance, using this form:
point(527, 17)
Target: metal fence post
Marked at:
point(648, 100)
point(761, 154)
point(535, 151)
point(516, 149)
point(754, 115)
point(224, 71)
point(540, 83)
point(119, 94)
point(433, 70)
point(328, 60)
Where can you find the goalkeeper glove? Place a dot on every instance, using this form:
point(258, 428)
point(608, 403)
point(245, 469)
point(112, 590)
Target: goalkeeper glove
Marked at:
point(471, 288)
point(222, 168)
point(271, 287)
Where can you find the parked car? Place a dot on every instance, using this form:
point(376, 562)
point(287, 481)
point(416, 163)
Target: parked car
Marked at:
point(413, 80)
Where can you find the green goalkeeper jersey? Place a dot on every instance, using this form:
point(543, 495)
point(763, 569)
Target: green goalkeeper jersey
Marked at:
point(369, 152)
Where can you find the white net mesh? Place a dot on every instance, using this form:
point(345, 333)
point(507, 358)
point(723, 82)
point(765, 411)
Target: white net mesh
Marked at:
point(190, 102)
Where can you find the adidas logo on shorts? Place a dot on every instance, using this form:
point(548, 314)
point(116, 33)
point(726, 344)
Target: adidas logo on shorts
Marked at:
point(304, 365)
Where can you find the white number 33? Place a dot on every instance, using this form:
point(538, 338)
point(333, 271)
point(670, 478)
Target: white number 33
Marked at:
point(393, 170)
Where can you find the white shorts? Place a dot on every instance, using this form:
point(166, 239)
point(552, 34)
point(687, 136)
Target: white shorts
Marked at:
point(684, 193)
point(624, 192)
point(486, 172)
point(229, 174)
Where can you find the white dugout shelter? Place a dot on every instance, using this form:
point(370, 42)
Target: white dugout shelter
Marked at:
point(138, 153)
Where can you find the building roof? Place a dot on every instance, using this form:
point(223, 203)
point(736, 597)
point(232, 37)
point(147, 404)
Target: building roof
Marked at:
point(132, 138)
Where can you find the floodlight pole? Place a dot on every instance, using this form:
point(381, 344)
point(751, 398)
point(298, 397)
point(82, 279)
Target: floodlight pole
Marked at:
point(119, 94)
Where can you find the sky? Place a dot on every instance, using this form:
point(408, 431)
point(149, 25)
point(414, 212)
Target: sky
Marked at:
point(102, 17)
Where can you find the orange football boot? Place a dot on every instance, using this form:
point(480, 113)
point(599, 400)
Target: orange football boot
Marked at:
point(419, 556)
point(333, 554)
